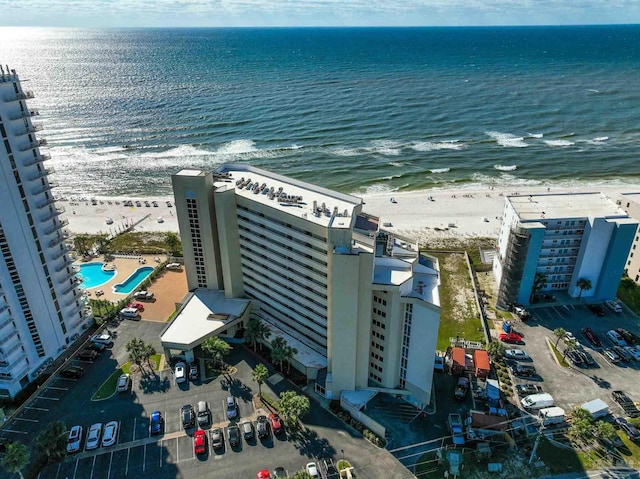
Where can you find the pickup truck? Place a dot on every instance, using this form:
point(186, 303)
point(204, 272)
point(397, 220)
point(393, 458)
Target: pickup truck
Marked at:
point(457, 428)
point(461, 389)
point(143, 296)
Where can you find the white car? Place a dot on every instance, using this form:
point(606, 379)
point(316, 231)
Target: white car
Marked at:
point(124, 381)
point(519, 354)
point(181, 372)
point(110, 434)
point(104, 338)
point(174, 266)
point(93, 436)
point(613, 306)
point(312, 470)
point(75, 438)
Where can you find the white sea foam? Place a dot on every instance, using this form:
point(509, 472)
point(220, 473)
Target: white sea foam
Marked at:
point(436, 171)
point(597, 141)
point(396, 164)
point(392, 177)
point(377, 189)
point(237, 147)
point(559, 142)
point(438, 145)
point(535, 135)
point(349, 151)
point(386, 147)
point(506, 167)
point(507, 139)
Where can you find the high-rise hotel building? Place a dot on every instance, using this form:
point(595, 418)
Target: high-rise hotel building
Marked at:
point(41, 307)
point(360, 305)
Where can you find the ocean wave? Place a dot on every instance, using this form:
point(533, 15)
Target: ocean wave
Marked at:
point(377, 189)
point(438, 145)
point(396, 164)
point(505, 167)
point(559, 142)
point(598, 140)
point(237, 147)
point(507, 140)
point(535, 135)
point(437, 171)
point(386, 147)
point(349, 151)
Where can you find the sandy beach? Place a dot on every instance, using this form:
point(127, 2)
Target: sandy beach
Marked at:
point(429, 216)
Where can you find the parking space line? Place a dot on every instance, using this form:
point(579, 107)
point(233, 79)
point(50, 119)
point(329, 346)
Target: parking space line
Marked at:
point(75, 469)
point(160, 452)
point(57, 388)
point(58, 471)
point(25, 419)
point(177, 450)
point(47, 397)
point(134, 428)
point(14, 431)
point(110, 462)
point(144, 459)
point(37, 408)
point(93, 465)
point(126, 469)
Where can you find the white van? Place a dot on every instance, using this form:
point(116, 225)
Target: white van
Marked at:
point(537, 401)
point(174, 266)
point(551, 415)
point(130, 313)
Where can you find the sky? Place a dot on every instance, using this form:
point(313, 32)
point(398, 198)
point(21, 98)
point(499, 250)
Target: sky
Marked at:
point(243, 13)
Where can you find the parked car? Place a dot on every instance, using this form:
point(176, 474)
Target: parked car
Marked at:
point(103, 338)
point(124, 381)
point(622, 352)
point(615, 338)
point(138, 306)
point(232, 407)
point(625, 402)
point(462, 388)
point(575, 358)
point(217, 439)
point(188, 416)
point(633, 351)
point(74, 439)
point(528, 389)
point(233, 432)
point(596, 309)
point(521, 312)
point(630, 430)
point(97, 347)
point(203, 414)
point(264, 474)
point(613, 306)
point(155, 423)
point(280, 473)
point(262, 426)
point(193, 371)
point(510, 337)
point(438, 364)
point(276, 423)
point(199, 442)
point(611, 356)
point(110, 434)
point(73, 372)
point(629, 337)
point(522, 370)
point(592, 337)
point(312, 470)
point(130, 313)
point(88, 355)
point(587, 359)
point(174, 266)
point(247, 429)
point(143, 296)
point(93, 436)
point(518, 354)
point(330, 467)
point(181, 372)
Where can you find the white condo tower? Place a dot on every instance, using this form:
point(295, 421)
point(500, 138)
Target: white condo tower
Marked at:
point(42, 310)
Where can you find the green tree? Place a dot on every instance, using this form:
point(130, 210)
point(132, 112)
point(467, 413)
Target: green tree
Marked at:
point(136, 350)
point(584, 284)
point(217, 347)
point(605, 430)
point(52, 441)
point(281, 352)
point(15, 458)
point(256, 332)
point(82, 244)
point(260, 375)
point(293, 407)
point(539, 283)
point(559, 334)
point(496, 350)
point(571, 345)
point(173, 243)
point(302, 475)
point(582, 425)
point(148, 351)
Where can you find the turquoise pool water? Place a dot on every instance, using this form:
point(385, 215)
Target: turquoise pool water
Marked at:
point(93, 276)
point(133, 281)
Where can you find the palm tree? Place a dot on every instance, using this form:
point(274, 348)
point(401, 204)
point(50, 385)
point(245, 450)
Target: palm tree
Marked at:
point(559, 334)
point(217, 347)
point(584, 284)
point(15, 458)
point(256, 331)
point(289, 354)
point(496, 350)
point(260, 375)
point(278, 350)
point(572, 345)
point(135, 348)
point(539, 283)
point(52, 441)
point(173, 242)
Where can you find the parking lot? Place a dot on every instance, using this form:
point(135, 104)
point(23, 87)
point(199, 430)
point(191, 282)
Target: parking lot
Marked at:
point(576, 385)
point(171, 454)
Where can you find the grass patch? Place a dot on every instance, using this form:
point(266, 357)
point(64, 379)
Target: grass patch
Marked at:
point(561, 361)
point(459, 315)
point(629, 293)
point(270, 400)
point(633, 458)
point(154, 361)
point(173, 315)
point(108, 388)
point(560, 460)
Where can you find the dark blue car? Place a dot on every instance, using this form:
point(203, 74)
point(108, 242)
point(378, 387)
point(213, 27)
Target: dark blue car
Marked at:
point(155, 423)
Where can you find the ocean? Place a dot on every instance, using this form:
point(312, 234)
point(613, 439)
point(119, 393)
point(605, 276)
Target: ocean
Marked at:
point(360, 110)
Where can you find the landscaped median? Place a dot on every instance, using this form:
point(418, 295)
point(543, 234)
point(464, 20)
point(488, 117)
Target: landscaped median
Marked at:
point(108, 388)
point(557, 355)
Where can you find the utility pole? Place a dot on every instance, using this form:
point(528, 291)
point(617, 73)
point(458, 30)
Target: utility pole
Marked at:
point(535, 445)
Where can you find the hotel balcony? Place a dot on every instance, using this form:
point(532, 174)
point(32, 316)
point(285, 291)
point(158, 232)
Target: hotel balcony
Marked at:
point(66, 276)
point(62, 252)
point(57, 225)
point(4, 322)
point(39, 158)
point(58, 210)
point(45, 203)
point(25, 95)
point(3, 307)
point(35, 144)
point(73, 299)
point(26, 114)
point(46, 187)
point(32, 128)
point(70, 288)
point(42, 174)
point(8, 337)
point(6, 352)
point(56, 241)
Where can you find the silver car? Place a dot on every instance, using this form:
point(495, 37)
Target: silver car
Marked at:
point(110, 434)
point(181, 372)
point(93, 436)
point(75, 438)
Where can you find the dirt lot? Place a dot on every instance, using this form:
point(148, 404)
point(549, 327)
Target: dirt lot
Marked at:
point(168, 289)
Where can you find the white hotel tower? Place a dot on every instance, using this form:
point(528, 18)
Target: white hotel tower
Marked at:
point(41, 307)
point(360, 305)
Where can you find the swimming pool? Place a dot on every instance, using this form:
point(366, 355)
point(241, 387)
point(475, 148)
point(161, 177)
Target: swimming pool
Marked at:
point(93, 276)
point(133, 281)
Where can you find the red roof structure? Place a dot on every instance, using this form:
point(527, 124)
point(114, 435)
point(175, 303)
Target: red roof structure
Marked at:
point(481, 362)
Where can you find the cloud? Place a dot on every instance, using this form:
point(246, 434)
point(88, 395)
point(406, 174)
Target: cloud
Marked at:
point(314, 12)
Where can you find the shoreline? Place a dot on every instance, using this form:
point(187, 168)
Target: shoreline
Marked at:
point(433, 216)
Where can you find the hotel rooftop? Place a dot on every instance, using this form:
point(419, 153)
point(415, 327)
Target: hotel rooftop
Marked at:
point(569, 205)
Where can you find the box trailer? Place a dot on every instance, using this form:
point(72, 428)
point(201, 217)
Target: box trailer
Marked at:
point(481, 363)
point(597, 408)
point(551, 415)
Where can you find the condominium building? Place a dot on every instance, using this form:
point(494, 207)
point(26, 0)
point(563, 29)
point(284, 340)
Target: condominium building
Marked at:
point(41, 307)
point(559, 243)
point(630, 202)
point(360, 305)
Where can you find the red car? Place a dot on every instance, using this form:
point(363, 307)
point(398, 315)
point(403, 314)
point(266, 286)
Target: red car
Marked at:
point(199, 442)
point(264, 474)
point(510, 338)
point(276, 423)
point(138, 306)
point(592, 337)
